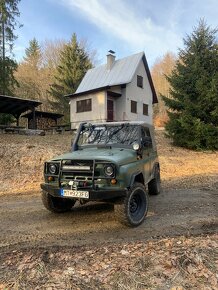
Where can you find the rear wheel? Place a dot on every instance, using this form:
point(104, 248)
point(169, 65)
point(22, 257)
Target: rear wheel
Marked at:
point(154, 187)
point(132, 209)
point(56, 204)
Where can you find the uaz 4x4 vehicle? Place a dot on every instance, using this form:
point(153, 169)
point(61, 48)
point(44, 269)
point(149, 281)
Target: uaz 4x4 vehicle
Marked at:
point(113, 162)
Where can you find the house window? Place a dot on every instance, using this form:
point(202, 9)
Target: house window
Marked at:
point(140, 81)
point(145, 109)
point(133, 107)
point(84, 106)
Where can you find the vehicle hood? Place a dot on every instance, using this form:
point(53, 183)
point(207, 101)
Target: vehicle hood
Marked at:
point(114, 155)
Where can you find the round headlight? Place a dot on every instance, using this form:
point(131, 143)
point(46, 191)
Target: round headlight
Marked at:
point(108, 170)
point(52, 168)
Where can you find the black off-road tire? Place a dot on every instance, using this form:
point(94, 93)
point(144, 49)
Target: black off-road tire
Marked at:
point(56, 204)
point(133, 208)
point(154, 186)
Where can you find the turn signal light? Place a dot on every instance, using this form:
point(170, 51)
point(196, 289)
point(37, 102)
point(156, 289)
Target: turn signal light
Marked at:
point(113, 181)
point(50, 178)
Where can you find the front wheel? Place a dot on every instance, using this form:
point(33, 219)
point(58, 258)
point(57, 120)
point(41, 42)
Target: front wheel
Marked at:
point(56, 204)
point(132, 209)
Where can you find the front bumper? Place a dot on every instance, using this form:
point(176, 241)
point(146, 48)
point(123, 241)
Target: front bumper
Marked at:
point(99, 194)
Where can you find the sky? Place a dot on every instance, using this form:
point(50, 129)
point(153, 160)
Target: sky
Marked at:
point(124, 26)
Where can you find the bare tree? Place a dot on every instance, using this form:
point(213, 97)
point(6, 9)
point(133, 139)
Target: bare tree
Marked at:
point(163, 67)
point(51, 52)
point(36, 72)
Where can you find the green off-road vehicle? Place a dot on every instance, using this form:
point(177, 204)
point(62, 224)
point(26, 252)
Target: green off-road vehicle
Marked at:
point(109, 162)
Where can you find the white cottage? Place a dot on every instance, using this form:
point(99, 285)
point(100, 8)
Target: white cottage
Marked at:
point(120, 90)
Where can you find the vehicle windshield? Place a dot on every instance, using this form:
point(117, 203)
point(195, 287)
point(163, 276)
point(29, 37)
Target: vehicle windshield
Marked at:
point(121, 135)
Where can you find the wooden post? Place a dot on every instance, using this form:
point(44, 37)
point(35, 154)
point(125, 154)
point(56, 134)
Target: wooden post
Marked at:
point(34, 118)
point(17, 116)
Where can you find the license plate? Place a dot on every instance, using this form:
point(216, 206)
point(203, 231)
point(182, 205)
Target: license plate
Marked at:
point(75, 193)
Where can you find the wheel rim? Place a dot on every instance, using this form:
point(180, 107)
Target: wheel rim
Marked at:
point(135, 204)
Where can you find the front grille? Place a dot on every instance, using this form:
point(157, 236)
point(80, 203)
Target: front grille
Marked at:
point(77, 170)
point(77, 165)
point(72, 167)
point(82, 173)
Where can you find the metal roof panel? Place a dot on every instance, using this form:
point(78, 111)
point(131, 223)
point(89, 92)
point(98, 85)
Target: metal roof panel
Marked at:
point(122, 72)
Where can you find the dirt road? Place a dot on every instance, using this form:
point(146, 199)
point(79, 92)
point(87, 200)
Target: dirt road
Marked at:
point(25, 222)
point(87, 248)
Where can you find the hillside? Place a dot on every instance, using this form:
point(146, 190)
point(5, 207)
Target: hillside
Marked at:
point(22, 158)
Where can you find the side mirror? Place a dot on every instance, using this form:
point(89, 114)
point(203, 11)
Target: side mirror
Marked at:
point(146, 142)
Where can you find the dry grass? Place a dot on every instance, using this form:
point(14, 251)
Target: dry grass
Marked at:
point(183, 168)
point(22, 159)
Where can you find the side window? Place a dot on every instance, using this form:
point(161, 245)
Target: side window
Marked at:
point(84, 106)
point(134, 107)
point(145, 109)
point(139, 81)
point(146, 138)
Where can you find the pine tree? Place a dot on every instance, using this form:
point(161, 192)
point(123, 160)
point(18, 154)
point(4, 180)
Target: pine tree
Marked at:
point(74, 63)
point(8, 14)
point(193, 105)
point(33, 54)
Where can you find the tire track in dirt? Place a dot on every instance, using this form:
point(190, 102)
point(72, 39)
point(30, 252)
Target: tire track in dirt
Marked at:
point(25, 222)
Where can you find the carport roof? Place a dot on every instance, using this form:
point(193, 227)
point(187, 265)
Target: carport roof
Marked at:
point(16, 106)
point(43, 114)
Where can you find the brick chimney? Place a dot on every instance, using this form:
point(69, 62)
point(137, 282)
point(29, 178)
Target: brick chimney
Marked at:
point(110, 59)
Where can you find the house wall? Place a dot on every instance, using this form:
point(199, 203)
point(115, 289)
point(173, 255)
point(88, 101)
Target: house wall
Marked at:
point(140, 95)
point(120, 107)
point(98, 113)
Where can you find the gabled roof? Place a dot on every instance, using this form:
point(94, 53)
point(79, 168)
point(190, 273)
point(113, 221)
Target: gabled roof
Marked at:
point(121, 73)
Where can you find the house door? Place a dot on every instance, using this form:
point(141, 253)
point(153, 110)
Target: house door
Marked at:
point(110, 110)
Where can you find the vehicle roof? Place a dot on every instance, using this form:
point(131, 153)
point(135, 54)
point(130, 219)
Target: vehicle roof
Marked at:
point(123, 122)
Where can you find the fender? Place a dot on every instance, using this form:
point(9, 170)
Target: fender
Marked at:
point(156, 165)
point(133, 177)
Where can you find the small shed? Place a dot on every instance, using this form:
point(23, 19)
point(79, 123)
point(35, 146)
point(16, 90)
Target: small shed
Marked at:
point(16, 106)
point(44, 120)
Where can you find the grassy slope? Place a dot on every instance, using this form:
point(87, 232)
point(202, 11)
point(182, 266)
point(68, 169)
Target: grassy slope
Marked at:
point(22, 158)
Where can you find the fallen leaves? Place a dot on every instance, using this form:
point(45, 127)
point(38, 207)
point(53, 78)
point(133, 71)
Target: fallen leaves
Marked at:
point(170, 263)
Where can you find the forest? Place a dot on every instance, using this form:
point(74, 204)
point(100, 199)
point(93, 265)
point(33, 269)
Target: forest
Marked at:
point(186, 83)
